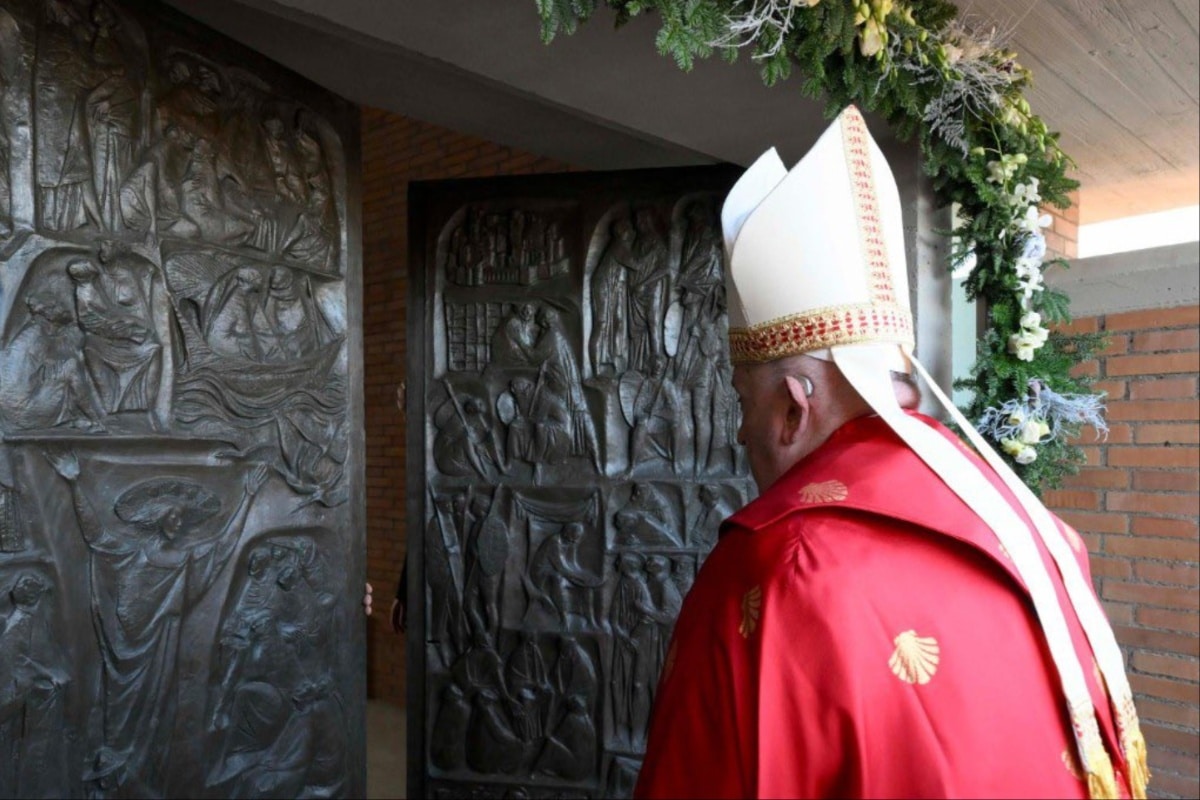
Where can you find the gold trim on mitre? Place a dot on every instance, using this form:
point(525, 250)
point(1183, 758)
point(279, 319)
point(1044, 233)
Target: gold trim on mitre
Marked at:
point(824, 327)
point(816, 254)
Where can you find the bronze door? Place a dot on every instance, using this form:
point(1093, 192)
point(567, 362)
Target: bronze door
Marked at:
point(573, 450)
point(181, 501)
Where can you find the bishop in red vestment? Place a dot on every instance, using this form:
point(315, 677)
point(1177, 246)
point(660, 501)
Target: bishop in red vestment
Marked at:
point(857, 632)
point(896, 615)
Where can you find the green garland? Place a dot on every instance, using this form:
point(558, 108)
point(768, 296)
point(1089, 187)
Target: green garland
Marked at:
point(925, 72)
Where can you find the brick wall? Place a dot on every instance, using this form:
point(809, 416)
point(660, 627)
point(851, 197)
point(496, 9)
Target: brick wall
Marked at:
point(1062, 237)
point(397, 150)
point(1137, 504)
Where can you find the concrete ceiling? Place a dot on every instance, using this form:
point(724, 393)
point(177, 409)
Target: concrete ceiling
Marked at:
point(1118, 78)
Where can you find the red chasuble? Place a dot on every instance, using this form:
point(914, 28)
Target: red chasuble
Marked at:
point(858, 632)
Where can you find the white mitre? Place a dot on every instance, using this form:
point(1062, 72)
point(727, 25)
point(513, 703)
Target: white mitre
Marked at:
point(816, 255)
point(816, 266)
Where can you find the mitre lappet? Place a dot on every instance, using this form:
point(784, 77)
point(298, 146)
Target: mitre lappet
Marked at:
point(816, 265)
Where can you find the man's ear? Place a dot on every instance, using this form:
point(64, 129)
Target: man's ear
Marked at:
point(798, 417)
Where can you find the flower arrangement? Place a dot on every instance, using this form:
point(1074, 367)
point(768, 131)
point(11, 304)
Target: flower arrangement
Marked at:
point(960, 91)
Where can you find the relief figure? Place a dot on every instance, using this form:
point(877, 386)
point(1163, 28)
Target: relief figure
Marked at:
point(485, 572)
point(444, 576)
point(649, 294)
point(277, 714)
point(557, 579)
point(33, 679)
point(121, 347)
point(464, 445)
point(46, 381)
point(610, 309)
point(563, 381)
point(143, 580)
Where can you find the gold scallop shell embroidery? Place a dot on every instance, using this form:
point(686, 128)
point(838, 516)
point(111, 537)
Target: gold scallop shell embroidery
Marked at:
point(915, 659)
point(751, 608)
point(824, 492)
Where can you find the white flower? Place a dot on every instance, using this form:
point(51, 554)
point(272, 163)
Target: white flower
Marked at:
point(1032, 221)
point(1025, 193)
point(1031, 432)
point(1027, 456)
point(997, 172)
point(1027, 268)
point(1020, 347)
point(1028, 287)
point(1034, 247)
point(1031, 319)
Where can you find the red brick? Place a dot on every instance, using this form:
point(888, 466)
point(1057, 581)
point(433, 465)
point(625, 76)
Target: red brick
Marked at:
point(1151, 503)
point(1096, 523)
point(1118, 433)
point(1186, 669)
point(1153, 318)
point(1079, 499)
point(1080, 325)
point(1153, 365)
point(1154, 410)
point(1118, 613)
point(1102, 567)
point(1096, 478)
point(1168, 619)
point(1179, 574)
point(1180, 433)
point(1086, 369)
point(1165, 641)
point(1187, 716)
point(1116, 346)
point(1156, 341)
point(1162, 389)
point(1170, 739)
point(1168, 784)
point(1156, 526)
point(1158, 481)
point(1164, 688)
point(1151, 595)
point(1162, 761)
point(1164, 456)
point(1144, 547)
point(1113, 390)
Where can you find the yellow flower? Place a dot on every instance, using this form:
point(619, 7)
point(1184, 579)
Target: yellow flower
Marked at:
point(1011, 446)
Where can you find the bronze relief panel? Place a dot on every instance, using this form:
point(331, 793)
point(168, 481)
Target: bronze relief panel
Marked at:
point(178, 501)
point(578, 453)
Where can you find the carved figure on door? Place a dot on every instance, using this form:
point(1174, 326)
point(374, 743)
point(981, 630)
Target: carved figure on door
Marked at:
point(143, 580)
point(610, 301)
point(33, 680)
point(121, 347)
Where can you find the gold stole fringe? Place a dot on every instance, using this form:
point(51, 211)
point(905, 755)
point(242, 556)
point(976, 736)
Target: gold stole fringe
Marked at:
point(1101, 780)
point(1139, 771)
